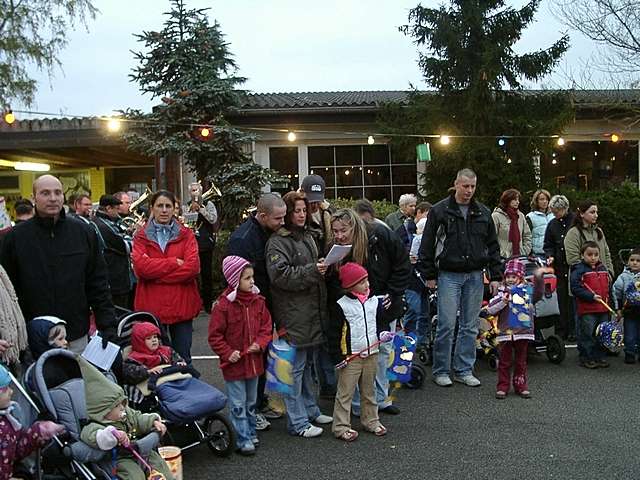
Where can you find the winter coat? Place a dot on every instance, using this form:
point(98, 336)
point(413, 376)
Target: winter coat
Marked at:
point(502, 223)
point(406, 232)
point(116, 254)
point(57, 269)
point(576, 237)
point(249, 241)
point(455, 244)
point(321, 231)
point(620, 288)
point(354, 326)
point(298, 289)
point(554, 243)
point(16, 443)
point(598, 282)
point(235, 325)
point(167, 290)
point(395, 220)
point(498, 306)
point(538, 222)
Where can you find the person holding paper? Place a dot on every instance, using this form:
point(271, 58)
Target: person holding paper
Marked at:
point(299, 301)
point(382, 253)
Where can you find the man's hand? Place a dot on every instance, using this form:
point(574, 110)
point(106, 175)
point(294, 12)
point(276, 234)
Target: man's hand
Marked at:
point(432, 284)
point(597, 298)
point(322, 268)
point(493, 287)
point(253, 348)
point(180, 261)
point(160, 427)
point(194, 207)
point(234, 357)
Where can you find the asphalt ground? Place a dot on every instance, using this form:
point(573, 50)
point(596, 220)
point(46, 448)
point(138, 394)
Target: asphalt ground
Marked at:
point(580, 424)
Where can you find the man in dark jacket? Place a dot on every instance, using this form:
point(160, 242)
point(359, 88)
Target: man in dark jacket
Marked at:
point(116, 250)
point(458, 242)
point(56, 267)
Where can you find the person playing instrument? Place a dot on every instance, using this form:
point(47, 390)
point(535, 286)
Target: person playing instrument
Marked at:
point(356, 323)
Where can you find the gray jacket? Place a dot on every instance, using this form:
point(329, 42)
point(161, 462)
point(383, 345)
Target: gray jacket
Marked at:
point(298, 291)
point(620, 287)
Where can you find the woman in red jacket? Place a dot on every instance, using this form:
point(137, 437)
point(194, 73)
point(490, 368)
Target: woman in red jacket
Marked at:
point(165, 260)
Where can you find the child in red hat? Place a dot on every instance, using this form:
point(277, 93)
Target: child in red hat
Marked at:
point(356, 324)
point(514, 305)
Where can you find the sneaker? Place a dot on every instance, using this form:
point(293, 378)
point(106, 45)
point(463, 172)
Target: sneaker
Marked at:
point(271, 414)
point(501, 395)
point(323, 419)
point(629, 358)
point(261, 422)
point(390, 410)
point(442, 381)
point(468, 380)
point(602, 363)
point(311, 431)
point(255, 441)
point(247, 450)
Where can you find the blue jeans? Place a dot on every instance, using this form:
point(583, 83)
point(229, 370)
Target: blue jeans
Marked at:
point(242, 405)
point(631, 333)
point(382, 382)
point(301, 404)
point(591, 349)
point(457, 292)
point(416, 317)
point(181, 335)
point(324, 369)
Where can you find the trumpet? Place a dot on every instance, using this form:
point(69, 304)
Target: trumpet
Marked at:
point(130, 222)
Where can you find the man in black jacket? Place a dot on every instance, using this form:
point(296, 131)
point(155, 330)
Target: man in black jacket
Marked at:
point(458, 242)
point(116, 252)
point(56, 267)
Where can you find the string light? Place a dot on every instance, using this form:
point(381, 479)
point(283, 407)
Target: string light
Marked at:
point(614, 138)
point(205, 132)
point(347, 172)
point(554, 161)
point(291, 136)
point(508, 160)
point(9, 117)
point(502, 142)
point(445, 139)
point(371, 140)
point(561, 141)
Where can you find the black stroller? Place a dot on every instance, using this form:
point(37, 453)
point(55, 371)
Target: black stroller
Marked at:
point(199, 414)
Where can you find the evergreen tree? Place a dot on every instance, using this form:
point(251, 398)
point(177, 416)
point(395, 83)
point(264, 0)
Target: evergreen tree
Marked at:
point(469, 60)
point(188, 66)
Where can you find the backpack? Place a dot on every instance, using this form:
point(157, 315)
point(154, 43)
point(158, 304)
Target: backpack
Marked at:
point(632, 293)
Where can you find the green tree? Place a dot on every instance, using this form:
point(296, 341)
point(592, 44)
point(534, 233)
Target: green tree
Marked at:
point(189, 67)
point(34, 32)
point(467, 56)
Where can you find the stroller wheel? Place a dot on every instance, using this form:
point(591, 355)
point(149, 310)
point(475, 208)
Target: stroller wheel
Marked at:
point(223, 439)
point(424, 355)
point(492, 362)
point(555, 349)
point(418, 375)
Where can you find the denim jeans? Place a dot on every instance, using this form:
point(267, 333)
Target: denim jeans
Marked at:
point(631, 333)
point(382, 382)
point(324, 369)
point(416, 317)
point(301, 404)
point(181, 335)
point(457, 292)
point(591, 349)
point(242, 406)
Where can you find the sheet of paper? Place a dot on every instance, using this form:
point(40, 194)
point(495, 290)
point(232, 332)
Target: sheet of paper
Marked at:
point(337, 253)
point(102, 358)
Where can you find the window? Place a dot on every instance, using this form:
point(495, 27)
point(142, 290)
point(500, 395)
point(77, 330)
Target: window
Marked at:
point(356, 171)
point(285, 161)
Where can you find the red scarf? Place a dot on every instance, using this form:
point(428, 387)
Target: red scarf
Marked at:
point(514, 231)
point(139, 350)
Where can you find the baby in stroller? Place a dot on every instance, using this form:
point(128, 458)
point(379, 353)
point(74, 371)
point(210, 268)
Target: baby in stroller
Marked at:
point(113, 426)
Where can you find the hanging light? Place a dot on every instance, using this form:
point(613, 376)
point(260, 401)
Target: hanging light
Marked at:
point(554, 161)
point(9, 117)
point(614, 137)
point(502, 142)
point(347, 172)
point(371, 140)
point(561, 141)
point(205, 132)
point(509, 160)
point(291, 136)
point(445, 139)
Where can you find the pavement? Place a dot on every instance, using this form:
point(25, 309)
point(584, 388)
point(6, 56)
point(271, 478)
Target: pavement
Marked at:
point(580, 424)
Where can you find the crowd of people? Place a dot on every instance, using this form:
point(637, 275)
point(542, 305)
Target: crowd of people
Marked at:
point(68, 270)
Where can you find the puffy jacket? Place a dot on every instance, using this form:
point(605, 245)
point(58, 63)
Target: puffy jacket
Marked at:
point(576, 237)
point(116, 254)
point(451, 243)
point(554, 242)
point(235, 325)
point(503, 224)
point(538, 222)
point(299, 295)
point(586, 282)
point(57, 269)
point(354, 326)
point(621, 287)
point(166, 289)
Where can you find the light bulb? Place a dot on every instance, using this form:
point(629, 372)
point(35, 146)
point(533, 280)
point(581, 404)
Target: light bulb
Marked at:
point(371, 140)
point(561, 141)
point(9, 117)
point(554, 161)
point(614, 138)
point(445, 140)
point(291, 136)
point(501, 142)
point(205, 132)
point(347, 172)
point(508, 160)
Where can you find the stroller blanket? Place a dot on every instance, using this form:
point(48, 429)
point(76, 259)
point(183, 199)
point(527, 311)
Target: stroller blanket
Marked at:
point(189, 399)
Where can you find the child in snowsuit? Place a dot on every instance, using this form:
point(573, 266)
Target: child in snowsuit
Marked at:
point(113, 425)
point(626, 291)
point(46, 333)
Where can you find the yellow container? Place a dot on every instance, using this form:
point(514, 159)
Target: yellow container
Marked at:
point(173, 457)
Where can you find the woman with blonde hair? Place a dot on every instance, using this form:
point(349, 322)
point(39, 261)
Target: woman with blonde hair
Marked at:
point(538, 219)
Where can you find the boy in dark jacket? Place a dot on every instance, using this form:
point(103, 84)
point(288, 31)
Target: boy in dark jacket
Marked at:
point(239, 331)
point(591, 285)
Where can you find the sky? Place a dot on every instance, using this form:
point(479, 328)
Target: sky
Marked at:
point(279, 45)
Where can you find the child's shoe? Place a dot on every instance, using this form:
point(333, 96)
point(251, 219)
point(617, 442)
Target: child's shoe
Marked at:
point(629, 358)
point(602, 363)
point(500, 395)
point(525, 394)
point(311, 431)
point(247, 450)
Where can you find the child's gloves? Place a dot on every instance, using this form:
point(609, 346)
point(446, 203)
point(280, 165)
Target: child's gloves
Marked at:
point(386, 336)
point(47, 430)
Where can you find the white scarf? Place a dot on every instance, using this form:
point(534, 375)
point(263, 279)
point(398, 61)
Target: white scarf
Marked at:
point(12, 325)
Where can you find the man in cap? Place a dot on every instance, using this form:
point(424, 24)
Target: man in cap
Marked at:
point(313, 187)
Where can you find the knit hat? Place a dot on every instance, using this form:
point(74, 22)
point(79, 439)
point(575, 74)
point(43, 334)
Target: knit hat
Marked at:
point(5, 379)
point(232, 267)
point(352, 273)
point(515, 266)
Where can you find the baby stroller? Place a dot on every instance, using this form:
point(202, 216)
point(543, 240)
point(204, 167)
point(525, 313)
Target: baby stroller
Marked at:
point(184, 401)
point(56, 382)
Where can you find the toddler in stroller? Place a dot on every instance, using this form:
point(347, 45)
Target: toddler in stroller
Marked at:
point(157, 379)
